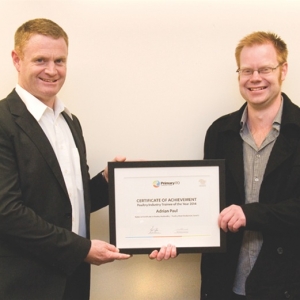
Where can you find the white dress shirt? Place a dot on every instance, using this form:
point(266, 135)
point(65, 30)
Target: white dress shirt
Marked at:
point(61, 139)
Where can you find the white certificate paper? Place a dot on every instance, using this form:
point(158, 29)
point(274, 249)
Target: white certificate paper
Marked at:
point(153, 204)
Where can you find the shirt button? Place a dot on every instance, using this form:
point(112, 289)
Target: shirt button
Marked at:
point(287, 295)
point(279, 250)
point(256, 179)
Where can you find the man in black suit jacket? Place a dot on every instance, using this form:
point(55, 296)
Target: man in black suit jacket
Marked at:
point(261, 145)
point(46, 193)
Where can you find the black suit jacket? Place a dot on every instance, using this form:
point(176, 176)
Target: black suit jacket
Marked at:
point(276, 273)
point(37, 248)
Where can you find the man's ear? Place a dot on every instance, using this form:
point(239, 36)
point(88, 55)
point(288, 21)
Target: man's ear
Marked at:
point(284, 70)
point(16, 60)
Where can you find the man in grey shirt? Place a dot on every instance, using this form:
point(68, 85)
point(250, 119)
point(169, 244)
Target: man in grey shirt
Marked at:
point(261, 147)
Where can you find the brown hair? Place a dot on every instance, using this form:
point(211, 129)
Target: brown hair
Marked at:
point(260, 38)
point(37, 26)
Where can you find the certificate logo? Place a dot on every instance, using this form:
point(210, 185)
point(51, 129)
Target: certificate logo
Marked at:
point(156, 183)
point(202, 182)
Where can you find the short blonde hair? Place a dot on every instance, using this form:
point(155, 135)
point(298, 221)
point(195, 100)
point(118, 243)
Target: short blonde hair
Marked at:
point(37, 26)
point(261, 38)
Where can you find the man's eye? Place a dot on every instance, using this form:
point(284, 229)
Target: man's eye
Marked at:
point(59, 61)
point(265, 70)
point(247, 71)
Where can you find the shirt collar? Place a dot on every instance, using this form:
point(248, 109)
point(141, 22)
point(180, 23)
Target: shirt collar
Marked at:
point(276, 122)
point(36, 107)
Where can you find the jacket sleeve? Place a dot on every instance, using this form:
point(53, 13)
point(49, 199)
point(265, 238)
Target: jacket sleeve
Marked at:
point(280, 218)
point(210, 143)
point(278, 209)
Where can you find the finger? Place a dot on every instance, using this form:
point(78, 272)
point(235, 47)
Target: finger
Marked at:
point(237, 225)
point(105, 174)
point(119, 159)
point(168, 252)
point(122, 256)
point(117, 256)
point(116, 159)
point(173, 252)
point(232, 221)
point(223, 219)
point(220, 220)
point(233, 227)
point(161, 253)
point(153, 254)
point(225, 210)
point(223, 223)
point(111, 247)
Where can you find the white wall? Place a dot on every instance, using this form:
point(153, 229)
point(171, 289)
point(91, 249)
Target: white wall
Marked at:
point(146, 79)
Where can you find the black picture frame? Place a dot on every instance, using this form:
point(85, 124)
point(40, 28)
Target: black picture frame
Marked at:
point(113, 168)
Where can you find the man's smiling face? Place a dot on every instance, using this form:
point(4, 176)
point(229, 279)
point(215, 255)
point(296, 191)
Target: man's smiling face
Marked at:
point(259, 90)
point(42, 67)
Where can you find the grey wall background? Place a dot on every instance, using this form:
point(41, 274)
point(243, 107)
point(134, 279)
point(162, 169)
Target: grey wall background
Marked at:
point(146, 79)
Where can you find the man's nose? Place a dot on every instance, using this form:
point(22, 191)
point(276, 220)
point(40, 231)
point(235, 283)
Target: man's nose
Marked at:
point(51, 68)
point(255, 75)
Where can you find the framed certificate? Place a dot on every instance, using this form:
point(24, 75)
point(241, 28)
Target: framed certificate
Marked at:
point(156, 203)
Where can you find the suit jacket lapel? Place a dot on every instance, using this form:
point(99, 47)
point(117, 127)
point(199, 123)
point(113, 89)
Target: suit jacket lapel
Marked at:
point(76, 137)
point(288, 138)
point(80, 146)
point(233, 150)
point(280, 152)
point(31, 127)
point(235, 163)
point(76, 132)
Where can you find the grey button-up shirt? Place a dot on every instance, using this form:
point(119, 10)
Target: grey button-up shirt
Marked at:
point(255, 161)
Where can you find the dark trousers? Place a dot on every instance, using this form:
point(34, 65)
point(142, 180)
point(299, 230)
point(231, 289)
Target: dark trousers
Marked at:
point(78, 284)
point(237, 297)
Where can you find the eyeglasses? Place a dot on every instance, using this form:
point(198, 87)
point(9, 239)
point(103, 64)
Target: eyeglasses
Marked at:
point(261, 71)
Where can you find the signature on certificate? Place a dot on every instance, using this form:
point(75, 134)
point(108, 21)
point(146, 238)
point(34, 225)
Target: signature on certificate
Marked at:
point(182, 230)
point(154, 230)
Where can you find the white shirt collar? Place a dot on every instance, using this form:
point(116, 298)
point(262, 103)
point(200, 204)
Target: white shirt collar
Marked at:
point(37, 107)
